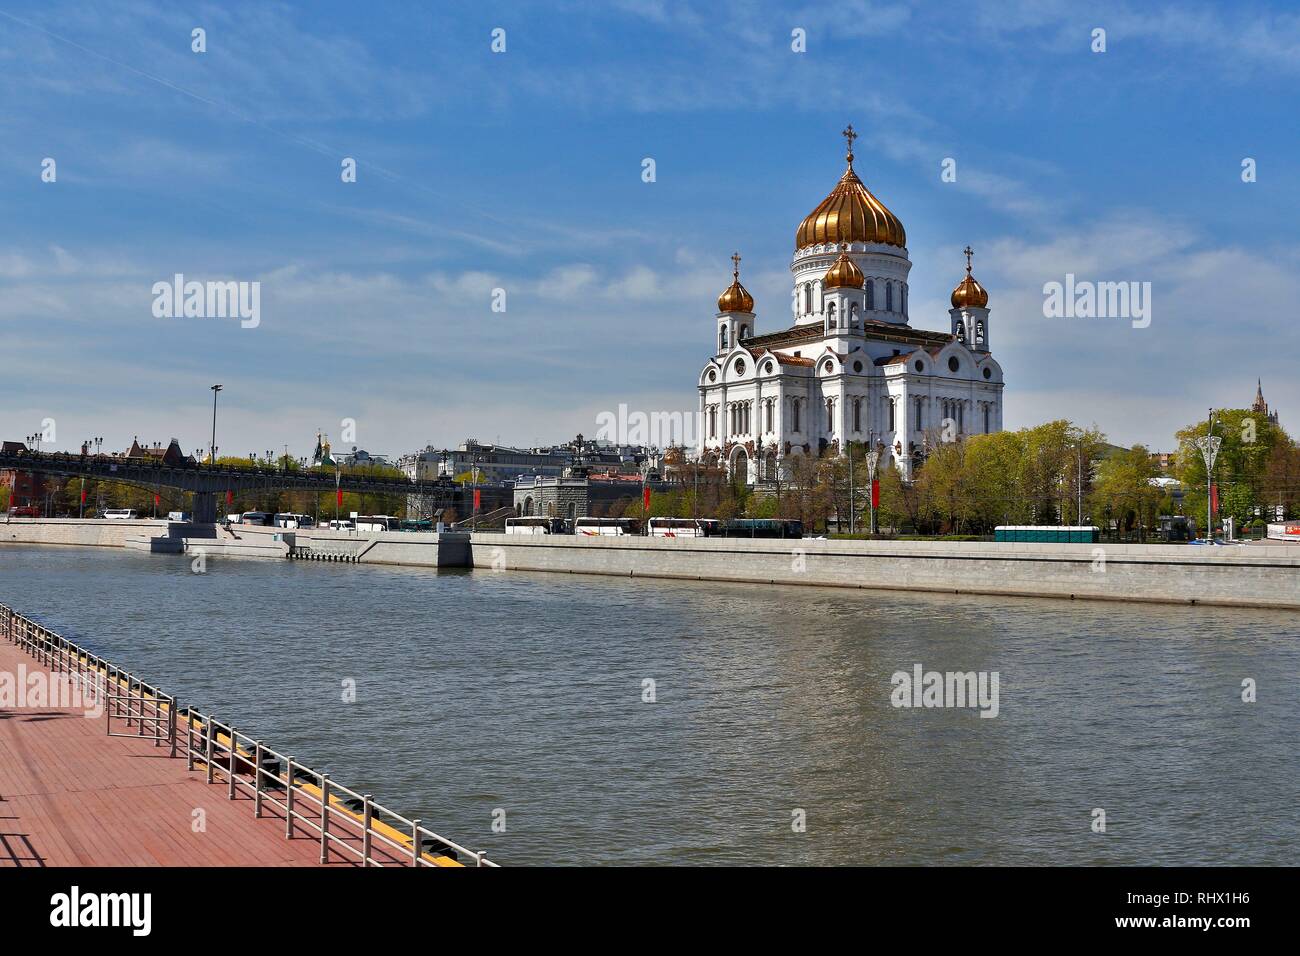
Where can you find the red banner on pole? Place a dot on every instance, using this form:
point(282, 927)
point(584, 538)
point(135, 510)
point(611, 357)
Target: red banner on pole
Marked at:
point(230, 497)
point(339, 493)
point(875, 493)
point(83, 496)
point(478, 499)
point(1214, 498)
point(156, 499)
point(645, 500)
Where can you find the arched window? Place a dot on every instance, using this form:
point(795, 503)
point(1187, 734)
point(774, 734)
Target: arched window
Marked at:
point(903, 295)
point(794, 414)
point(853, 315)
point(830, 315)
point(830, 415)
point(979, 332)
point(857, 414)
point(871, 295)
point(807, 298)
point(890, 403)
point(961, 331)
point(744, 331)
point(889, 297)
point(722, 338)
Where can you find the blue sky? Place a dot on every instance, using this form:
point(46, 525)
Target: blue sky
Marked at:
point(522, 170)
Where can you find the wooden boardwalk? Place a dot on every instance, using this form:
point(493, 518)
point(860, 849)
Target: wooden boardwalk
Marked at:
point(72, 796)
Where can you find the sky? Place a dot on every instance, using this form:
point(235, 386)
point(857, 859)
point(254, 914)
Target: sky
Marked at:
point(522, 171)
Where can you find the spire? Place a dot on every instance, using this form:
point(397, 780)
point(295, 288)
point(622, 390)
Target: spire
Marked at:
point(969, 252)
point(849, 136)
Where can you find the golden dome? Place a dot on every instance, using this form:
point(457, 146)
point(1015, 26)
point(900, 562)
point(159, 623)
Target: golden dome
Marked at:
point(969, 293)
point(844, 274)
point(850, 214)
point(736, 298)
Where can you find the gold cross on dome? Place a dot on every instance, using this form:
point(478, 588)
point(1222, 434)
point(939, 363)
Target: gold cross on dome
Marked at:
point(969, 252)
point(849, 136)
point(735, 263)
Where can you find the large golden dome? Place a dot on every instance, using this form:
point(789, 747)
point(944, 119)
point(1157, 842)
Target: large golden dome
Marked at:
point(735, 298)
point(850, 214)
point(969, 294)
point(844, 274)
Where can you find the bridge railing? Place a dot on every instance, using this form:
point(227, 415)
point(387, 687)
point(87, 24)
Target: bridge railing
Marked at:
point(347, 823)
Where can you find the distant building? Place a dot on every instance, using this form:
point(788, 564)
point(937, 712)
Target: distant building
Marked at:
point(26, 489)
point(171, 455)
point(576, 495)
point(1261, 407)
point(501, 462)
point(1164, 459)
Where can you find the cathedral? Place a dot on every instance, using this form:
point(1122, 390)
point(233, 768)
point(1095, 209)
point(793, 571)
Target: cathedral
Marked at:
point(850, 368)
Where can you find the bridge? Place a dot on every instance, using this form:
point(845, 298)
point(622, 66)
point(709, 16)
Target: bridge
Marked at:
point(206, 482)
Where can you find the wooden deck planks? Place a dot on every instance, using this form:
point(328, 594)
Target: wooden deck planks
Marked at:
point(70, 795)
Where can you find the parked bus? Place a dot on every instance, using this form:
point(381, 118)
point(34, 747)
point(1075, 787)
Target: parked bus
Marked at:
point(120, 514)
point(607, 526)
point(536, 526)
point(289, 520)
point(378, 523)
point(343, 524)
point(682, 527)
point(257, 518)
point(761, 528)
point(417, 524)
point(1048, 534)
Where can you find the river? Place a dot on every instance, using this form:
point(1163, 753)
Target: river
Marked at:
point(522, 698)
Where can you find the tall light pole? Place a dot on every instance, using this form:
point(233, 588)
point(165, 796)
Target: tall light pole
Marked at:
point(1209, 445)
point(212, 453)
point(873, 458)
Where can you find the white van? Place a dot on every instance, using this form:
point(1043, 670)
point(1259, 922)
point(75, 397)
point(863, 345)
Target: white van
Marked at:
point(120, 514)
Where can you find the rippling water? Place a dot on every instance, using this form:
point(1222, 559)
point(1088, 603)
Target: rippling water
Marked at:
point(478, 691)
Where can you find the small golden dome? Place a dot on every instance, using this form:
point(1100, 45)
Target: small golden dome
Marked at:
point(850, 214)
point(969, 293)
point(736, 298)
point(844, 274)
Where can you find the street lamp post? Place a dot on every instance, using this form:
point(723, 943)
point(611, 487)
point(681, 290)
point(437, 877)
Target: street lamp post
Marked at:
point(1209, 445)
point(212, 453)
point(873, 458)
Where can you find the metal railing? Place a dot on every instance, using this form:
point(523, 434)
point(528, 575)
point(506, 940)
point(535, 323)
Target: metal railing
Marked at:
point(347, 823)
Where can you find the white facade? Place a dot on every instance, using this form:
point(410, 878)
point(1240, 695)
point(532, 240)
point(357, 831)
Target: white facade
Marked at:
point(850, 369)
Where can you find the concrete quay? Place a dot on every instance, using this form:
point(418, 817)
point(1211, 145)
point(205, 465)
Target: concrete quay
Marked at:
point(1254, 575)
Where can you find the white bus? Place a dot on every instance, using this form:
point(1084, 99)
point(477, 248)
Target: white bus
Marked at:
point(344, 524)
point(289, 520)
point(378, 523)
point(120, 514)
point(536, 526)
point(607, 526)
point(681, 527)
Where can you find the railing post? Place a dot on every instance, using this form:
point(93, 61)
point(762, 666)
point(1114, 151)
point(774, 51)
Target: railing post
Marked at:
point(415, 844)
point(171, 723)
point(233, 748)
point(207, 726)
point(366, 814)
point(189, 741)
point(257, 780)
point(324, 818)
point(288, 801)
